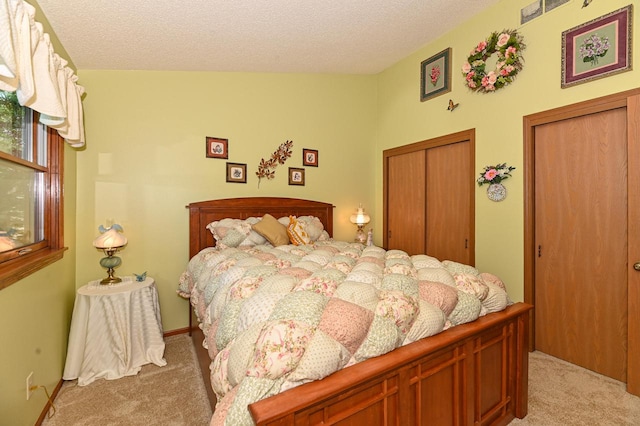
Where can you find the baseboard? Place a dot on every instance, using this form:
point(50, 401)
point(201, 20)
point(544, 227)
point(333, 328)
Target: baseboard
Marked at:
point(48, 406)
point(176, 331)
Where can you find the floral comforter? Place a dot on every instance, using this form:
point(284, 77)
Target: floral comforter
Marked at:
point(278, 317)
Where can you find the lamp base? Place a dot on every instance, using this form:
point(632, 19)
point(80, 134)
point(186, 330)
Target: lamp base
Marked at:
point(111, 280)
point(360, 235)
point(110, 262)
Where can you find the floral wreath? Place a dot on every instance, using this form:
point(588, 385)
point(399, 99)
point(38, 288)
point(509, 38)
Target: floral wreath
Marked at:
point(508, 45)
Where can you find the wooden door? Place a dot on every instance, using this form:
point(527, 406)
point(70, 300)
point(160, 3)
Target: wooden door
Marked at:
point(406, 202)
point(429, 203)
point(581, 218)
point(633, 256)
point(449, 196)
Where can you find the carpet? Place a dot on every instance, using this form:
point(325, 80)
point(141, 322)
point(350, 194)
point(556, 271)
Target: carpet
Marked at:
point(564, 394)
point(170, 395)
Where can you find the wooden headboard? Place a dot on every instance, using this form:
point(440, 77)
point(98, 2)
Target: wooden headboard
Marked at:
point(204, 212)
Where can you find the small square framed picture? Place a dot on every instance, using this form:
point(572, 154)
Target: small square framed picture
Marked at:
point(217, 147)
point(236, 173)
point(296, 176)
point(310, 157)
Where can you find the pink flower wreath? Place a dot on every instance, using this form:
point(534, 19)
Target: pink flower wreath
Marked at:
point(508, 45)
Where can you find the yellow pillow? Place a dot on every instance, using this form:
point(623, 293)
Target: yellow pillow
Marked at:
point(296, 232)
point(272, 230)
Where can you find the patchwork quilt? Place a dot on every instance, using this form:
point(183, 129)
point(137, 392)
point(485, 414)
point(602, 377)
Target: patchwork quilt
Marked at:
point(277, 317)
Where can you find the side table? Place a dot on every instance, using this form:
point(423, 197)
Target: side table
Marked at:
point(115, 330)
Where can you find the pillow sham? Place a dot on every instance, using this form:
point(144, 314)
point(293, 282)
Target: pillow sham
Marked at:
point(310, 224)
point(274, 231)
point(235, 232)
point(297, 234)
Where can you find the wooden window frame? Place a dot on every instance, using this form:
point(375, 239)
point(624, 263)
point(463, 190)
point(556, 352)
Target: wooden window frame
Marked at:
point(51, 249)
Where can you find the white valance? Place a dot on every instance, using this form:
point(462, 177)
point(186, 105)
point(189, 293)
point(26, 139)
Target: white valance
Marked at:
point(40, 78)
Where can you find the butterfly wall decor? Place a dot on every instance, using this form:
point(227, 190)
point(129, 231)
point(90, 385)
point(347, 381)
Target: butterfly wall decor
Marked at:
point(452, 106)
point(586, 3)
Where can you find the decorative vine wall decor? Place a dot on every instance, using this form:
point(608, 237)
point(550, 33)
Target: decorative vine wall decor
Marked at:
point(266, 169)
point(509, 45)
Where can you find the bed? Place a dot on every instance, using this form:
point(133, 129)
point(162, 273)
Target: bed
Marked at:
point(467, 373)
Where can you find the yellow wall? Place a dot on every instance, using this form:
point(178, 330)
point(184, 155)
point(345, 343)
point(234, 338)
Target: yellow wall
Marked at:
point(496, 117)
point(35, 314)
point(145, 157)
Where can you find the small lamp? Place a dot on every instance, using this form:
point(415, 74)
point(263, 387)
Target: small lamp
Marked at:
point(360, 219)
point(110, 241)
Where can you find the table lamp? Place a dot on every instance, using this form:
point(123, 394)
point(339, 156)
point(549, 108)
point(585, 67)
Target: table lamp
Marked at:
point(110, 241)
point(360, 219)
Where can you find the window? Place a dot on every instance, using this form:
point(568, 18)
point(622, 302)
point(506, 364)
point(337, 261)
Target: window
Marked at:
point(31, 159)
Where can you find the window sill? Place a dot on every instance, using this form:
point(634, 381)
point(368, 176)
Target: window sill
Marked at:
point(17, 269)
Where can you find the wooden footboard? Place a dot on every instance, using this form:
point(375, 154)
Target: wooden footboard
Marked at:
point(474, 374)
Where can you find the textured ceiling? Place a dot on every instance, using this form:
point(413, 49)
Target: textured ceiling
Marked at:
point(322, 36)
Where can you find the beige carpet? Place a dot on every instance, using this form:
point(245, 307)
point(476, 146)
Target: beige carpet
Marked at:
point(565, 394)
point(559, 394)
point(169, 395)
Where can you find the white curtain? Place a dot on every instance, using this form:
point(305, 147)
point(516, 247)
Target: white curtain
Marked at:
point(40, 78)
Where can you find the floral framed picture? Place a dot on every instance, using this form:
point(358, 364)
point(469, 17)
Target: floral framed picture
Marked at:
point(435, 75)
point(598, 48)
point(310, 157)
point(236, 173)
point(217, 147)
point(296, 176)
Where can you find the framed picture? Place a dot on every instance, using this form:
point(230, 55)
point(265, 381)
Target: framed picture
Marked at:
point(552, 4)
point(531, 11)
point(217, 147)
point(435, 75)
point(296, 176)
point(310, 157)
point(236, 173)
point(598, 48)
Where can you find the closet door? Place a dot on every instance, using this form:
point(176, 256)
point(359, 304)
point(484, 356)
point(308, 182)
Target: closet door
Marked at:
point(429, 203)
point(449, 199)
point(406, 202)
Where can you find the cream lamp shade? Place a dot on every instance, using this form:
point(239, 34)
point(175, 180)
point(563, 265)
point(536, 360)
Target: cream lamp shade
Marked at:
point(360, 218)
point(110, 239)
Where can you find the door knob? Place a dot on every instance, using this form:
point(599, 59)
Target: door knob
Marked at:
point(636, 266)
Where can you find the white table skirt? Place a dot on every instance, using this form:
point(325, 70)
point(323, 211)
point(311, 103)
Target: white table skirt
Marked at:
point(115, 330)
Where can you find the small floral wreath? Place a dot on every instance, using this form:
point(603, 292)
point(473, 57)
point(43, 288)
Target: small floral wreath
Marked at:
point(508, 45)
